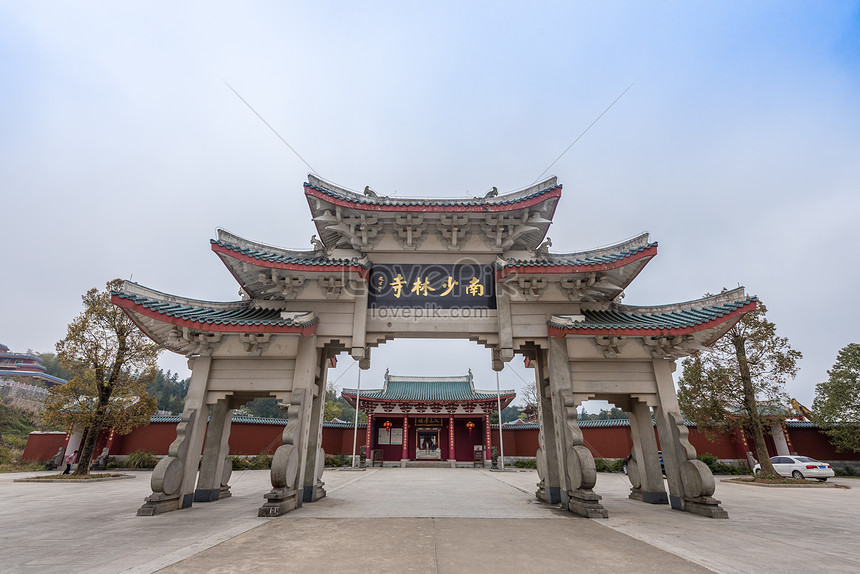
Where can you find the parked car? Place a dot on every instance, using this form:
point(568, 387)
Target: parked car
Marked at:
point(630, 456)
point(799, 467)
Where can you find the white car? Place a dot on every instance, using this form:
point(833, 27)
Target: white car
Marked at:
point(799, 467)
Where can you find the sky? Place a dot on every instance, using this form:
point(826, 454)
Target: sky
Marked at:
point(737, 146)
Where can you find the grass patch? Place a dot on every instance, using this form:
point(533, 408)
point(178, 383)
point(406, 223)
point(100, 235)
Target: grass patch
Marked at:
point(777, 480)
point(76, 477)
point(526, 463)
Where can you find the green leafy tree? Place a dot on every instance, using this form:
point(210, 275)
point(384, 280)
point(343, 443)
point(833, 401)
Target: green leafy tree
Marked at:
point(169, 391)
point(740, 382)
point(266, 409)
point(509, 414)
point(53, 366)
point(837, 401)
point(332, 409)
point(110, 361)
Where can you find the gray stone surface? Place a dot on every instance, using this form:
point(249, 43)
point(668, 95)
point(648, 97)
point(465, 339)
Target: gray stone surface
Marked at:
point(422, 520)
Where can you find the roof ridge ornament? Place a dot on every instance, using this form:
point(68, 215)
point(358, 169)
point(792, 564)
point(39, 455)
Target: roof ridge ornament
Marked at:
point(542, 251)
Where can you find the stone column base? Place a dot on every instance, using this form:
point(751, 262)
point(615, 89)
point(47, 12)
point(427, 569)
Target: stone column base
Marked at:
point(313, 493)
point(649, 497)
point(586, 503)
point(158, 504)
point(212, 494)
point(278, 502)
point(705, 506)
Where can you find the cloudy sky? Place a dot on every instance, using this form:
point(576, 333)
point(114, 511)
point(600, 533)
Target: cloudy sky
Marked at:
point(737, 148)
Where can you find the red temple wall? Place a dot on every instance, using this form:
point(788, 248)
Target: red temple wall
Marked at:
point(812, 442)
point(606, 442)
point(43, 445)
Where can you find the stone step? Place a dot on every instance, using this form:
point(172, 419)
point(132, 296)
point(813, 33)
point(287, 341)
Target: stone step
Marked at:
point(428, 464)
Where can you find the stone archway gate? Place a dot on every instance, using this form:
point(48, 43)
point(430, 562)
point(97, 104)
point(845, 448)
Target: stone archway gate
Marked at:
point(477, 269)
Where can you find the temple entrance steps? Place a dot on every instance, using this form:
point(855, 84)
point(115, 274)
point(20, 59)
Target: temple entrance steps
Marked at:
point(428, 464)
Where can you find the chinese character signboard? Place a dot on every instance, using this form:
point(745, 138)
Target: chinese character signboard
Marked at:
point(433, 286)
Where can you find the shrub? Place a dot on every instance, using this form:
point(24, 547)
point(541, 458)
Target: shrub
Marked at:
point(259, 462)
point(141, 459)
point(339, 459)
point(608, 464)
point(719, 468)
point(526, 463)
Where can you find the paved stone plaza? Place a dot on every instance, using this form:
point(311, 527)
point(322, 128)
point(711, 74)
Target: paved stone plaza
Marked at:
point(422, 520)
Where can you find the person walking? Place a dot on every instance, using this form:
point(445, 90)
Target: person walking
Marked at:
point(70, 460)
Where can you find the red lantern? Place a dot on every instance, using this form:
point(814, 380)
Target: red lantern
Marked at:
point(470, 425)
point(387, 425)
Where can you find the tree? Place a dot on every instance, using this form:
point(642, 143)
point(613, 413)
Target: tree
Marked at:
point(740, 382)
point(837, 401)
point(53, 366)
point(332, 410)
point(169, 391)
point(110, 361)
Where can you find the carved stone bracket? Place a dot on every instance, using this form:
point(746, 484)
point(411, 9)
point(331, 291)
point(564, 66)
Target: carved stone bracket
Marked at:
point(454, 230)
point(287, 288)
point(409, 230)
point(580, 289)
point(611, 345)
point(673, 347)
point(255, 343)
point(190, 342)
point(332, 286)
point(532, 288)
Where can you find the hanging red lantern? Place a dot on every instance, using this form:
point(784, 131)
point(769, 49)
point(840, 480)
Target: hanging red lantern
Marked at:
point(387, 425)
point(470, 425)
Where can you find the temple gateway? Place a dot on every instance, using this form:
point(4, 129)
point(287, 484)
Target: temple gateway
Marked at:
point(477, 269)
point(429, 418)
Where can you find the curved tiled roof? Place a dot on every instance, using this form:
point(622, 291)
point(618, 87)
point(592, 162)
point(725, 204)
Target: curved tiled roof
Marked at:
point(236, 419)
point(670, 319)
point(208, 315)
point(596, 257)
point(325, 190)
point(269, 254)
point(428, 389)
point(279, 258)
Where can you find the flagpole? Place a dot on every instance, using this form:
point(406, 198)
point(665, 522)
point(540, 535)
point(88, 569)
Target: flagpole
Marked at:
point(355, 428)
point(501, 441)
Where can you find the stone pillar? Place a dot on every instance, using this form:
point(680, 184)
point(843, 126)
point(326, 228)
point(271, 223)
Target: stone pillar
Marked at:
point(577, 469)
point(452, 454)
point(779, 440)
point(290, 460)
point(216, 468)
point(644, 469)
point(488, 437)
point(174, 476)
point(691, 483)
point(550, 486)
point(313, 484)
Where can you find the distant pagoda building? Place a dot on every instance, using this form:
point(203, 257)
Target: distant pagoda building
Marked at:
point(428, 418)
point(30, 368)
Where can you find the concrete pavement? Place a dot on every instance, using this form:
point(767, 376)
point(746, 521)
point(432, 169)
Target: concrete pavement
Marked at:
point(427, 520)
